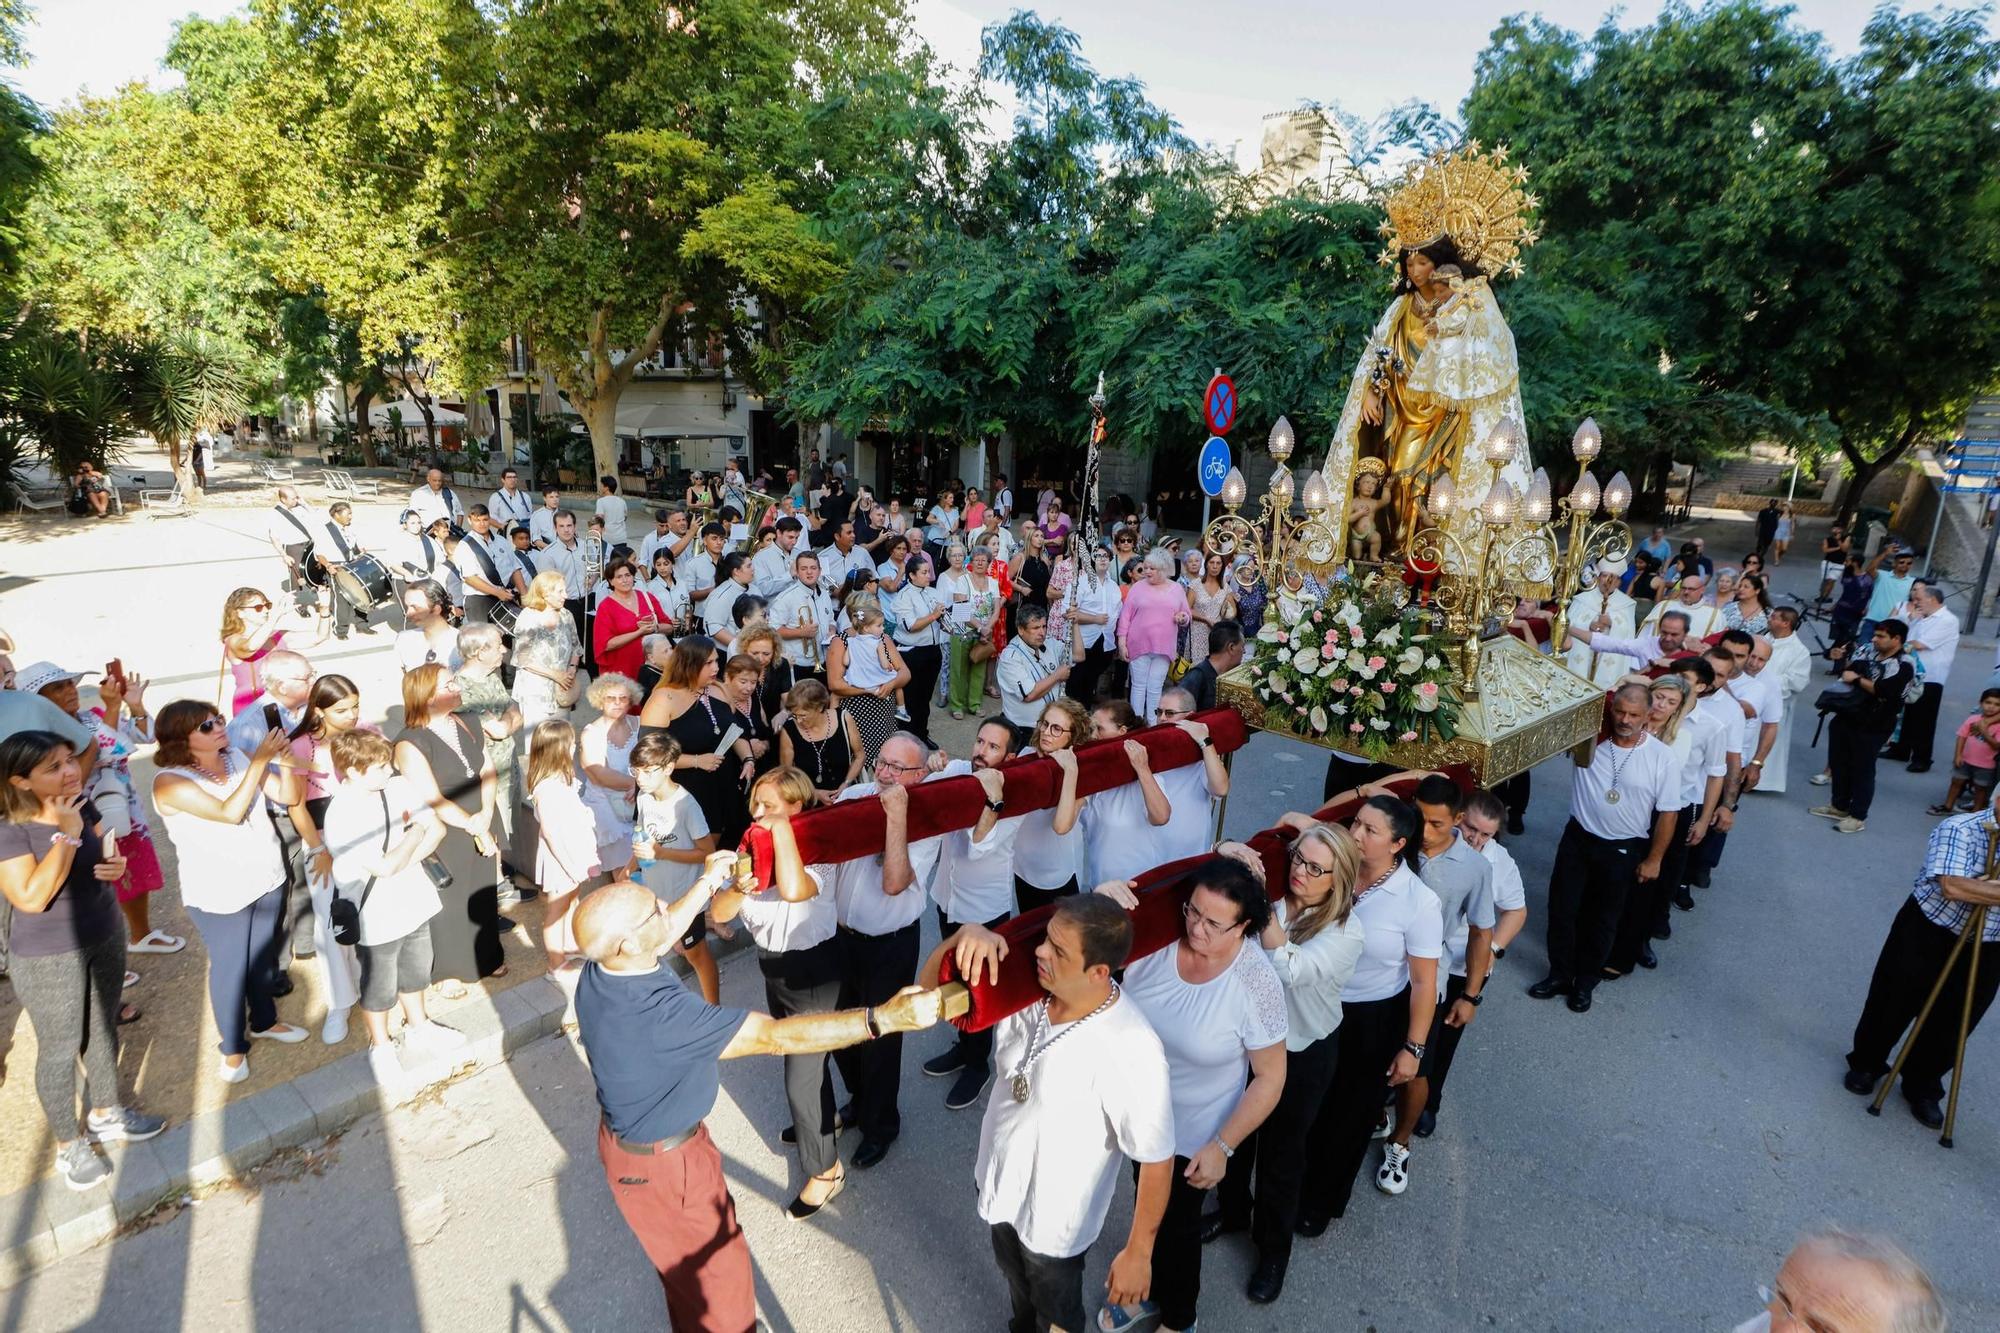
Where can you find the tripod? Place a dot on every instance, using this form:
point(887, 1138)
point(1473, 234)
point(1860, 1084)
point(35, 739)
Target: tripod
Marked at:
point(1975, 932)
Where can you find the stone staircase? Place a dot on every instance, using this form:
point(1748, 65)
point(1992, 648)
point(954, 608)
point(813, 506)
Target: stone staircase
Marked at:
point(1754, 474)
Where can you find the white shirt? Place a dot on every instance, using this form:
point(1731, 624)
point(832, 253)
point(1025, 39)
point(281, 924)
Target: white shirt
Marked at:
point(567, 561)
point(1313, 974)
point(1208, 1031)
point(355, 829)
point(675, 823)
point(834, 567)
point(415, 554)
point(331, 537)
point(1509, 895)
point(695, 570)
point(673, 599)
point(1766, 701)
point(715, 612)
point(1722, 709)
point(785, 612)
point(771, 570)
point(1646, 776)
point(1707, 753)
point(611, 508)
point(542, 525)
point(1402, 920)
point(1703, 619)
point(1790, 664)
point(1004, 501)
point(975, 881)
point(781, 927)
point(433, 505)
point(1048, 1166)
point(1584, 611)
point(656, 540)
point(510, 507)
point(857, 884)
point(413, 650)
point(287, 533)
point(1022, 668)
point(1123, 844)
point(1464, 900)
point(910, 603)
point(1043, 857)
point(1938, 632)
point(1645, 649)
point(1099, 597)
point(224, 867)
point(1189, 830)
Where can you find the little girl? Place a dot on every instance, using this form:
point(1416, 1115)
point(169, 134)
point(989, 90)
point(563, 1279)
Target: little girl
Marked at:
point(122, 727)
point(566, 857)
point(670, 842)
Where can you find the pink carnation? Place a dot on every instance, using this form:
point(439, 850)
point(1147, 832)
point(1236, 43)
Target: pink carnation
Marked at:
point(1356, 634)
point(1318, 618)
point(1388, 687)
point(1340, 685)
point(1407, 736)
point(1377, 663)
point(1354, 726)
point(1327, 650)
point(1355, 690)
point(1284, 637)
point(1428, 689)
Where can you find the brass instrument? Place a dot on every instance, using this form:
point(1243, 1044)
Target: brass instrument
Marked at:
point(806, 618)
point(760, 504)
point(1975, 933)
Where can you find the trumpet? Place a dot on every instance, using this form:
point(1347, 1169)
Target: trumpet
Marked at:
point(805, 620)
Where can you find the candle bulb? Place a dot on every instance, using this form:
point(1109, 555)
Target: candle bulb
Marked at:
point(1587, 441)
point(1280, 442)
point(1443, 496)
point(1583, 496)
point(1617, 495)
point(1316, 495)
point(1501, 444)
point(1234, 488)
point(1498, 506)
point(1539, 504)
point(1281, 486)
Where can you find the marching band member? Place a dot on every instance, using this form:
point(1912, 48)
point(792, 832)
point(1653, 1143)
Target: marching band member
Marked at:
point(339, 547)
point(509, 504)
point(542, 523)
point(773, 569)
point(291, 528)
point(802, 614)
point(732, 580)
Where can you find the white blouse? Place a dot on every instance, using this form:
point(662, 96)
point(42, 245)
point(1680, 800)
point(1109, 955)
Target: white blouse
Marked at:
point(1208, 1030)
point(1403, 919)
point(1314, 974)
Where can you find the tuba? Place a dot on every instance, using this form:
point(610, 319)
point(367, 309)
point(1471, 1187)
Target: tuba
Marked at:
point(759, 504)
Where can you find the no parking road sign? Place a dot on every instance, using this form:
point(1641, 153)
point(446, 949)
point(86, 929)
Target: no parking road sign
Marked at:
point(1219, 404)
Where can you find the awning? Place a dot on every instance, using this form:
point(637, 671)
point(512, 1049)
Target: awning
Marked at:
point(413, 415)
point(691, 420)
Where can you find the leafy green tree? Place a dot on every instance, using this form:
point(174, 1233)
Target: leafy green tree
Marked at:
point(1804, 241)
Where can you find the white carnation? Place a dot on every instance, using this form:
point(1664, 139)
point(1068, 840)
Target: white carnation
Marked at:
point(1431, 663)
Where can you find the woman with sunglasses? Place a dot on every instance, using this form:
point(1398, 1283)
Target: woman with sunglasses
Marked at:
point(1219, 1010)
point(1314, 942)
point(1048, 847)
point(1385, 1007)
point(232, 869)
point(251, 629)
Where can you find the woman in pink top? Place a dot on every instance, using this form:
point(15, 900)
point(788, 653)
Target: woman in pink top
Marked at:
point(250, 631)
point(1149, 626)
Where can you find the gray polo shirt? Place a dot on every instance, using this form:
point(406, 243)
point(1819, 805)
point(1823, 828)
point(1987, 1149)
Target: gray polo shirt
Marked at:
point(1463, 881)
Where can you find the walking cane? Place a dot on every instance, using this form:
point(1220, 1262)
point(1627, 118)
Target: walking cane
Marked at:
point(1974, 931)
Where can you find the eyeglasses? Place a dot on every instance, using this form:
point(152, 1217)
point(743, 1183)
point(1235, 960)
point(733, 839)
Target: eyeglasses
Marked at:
point(212, 724)
point(1300, 861)
point(1195, 920)
point(1168, 714)
point(891, 767)
point(258, 606)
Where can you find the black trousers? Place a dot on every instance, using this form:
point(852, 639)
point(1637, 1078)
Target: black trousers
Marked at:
point(924, 665)
point(1851, 751)
point(1442, 1048)
point(1177, 1250)
point(1027, 897)
point(1587, 890)
point(304, 596)
point(1919, 736)
point(1086, 674)
point(1369, 1035)
point(807, 981)
point(1344, 775)
point(296, 926)
point(1708, 855)
point(974, 1048)
point(1047, 1293)
point(1911, 959)
point(1276, 1154)
point(575, 607)
point(1647, 905)
point(873, 968)
point(1515, 791)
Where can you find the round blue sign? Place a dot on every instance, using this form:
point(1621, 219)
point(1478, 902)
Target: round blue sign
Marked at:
point(1214, 465)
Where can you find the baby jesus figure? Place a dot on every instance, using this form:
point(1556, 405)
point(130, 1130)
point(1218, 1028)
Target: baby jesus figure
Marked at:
point(1364, 539)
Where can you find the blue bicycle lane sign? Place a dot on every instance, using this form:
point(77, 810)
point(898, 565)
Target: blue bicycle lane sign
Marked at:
point(1213, 467)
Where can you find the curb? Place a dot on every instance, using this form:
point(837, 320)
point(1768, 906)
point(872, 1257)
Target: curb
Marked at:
point(48, 1221)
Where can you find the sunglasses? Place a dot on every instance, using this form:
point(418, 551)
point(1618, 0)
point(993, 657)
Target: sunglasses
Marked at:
point(212, 724)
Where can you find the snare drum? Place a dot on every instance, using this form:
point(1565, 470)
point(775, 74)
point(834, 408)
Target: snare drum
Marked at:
point(364, 584)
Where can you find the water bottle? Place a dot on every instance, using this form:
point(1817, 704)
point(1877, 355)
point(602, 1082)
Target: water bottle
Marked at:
point(642, 850)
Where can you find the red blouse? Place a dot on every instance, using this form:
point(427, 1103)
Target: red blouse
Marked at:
point(613, 620)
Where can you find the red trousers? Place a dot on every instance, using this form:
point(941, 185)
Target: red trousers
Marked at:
point(678, 1205)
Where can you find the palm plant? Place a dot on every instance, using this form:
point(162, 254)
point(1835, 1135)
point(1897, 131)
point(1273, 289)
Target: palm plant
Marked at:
point(178, 384)
point(58, 407)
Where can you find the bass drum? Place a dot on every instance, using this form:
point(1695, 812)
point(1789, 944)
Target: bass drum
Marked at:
point(364, 584)
point(503, 615)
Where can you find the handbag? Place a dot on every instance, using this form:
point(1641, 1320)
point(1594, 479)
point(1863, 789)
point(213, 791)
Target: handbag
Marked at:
point(1841, 700)
point(345, 914)
point(567, 696)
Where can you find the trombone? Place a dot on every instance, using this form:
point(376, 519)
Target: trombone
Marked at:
point(1973, 931)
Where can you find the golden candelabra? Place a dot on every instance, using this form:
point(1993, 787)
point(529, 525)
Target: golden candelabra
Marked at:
point(1513, 544)
point(1278, 544)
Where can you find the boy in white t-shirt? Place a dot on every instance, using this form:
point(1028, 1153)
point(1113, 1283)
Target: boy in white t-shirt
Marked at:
point(1082, 1088)
point(670, 842)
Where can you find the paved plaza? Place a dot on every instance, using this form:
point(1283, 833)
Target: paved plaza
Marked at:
point(1642, 1167)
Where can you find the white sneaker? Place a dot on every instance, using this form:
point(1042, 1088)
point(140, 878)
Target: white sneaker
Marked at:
point(384, 1065)
point(334, 1030)
point(283, 1032)
point(1394, 1177)
point(233, 1075)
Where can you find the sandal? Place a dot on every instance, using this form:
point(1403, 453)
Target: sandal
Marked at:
point(1939, 809)
point(157, 941)
point(129, 1013)
point(1118, 1318)
point(449, 989)
point(131, 979)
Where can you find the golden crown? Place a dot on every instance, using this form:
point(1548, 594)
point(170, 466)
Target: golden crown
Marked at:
point(1470, 195)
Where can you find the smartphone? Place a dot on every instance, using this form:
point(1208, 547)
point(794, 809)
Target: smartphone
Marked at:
point(115, 669)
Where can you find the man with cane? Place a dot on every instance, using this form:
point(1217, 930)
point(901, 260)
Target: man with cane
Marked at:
point(1924, 957)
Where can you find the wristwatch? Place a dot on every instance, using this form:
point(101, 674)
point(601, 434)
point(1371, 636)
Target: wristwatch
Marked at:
point(1415, 1048)
point(997, 806)
point(1205, 742)
point(1755, 763)
point(1474, 1000)
point(1227, 1151)
point(1499, 951)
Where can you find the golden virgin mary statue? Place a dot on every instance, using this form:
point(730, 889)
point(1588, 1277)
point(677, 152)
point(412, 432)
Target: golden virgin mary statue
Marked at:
point(1439, 375)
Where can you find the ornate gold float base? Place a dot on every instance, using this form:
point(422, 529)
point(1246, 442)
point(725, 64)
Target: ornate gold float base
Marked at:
point(1528, 707)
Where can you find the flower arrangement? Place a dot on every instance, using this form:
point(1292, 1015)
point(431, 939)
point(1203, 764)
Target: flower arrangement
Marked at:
point(1360, 669)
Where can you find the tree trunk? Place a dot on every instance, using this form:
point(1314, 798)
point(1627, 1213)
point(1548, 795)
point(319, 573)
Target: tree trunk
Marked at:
point(1865, 470)
point(600, 413)
point(430, 426)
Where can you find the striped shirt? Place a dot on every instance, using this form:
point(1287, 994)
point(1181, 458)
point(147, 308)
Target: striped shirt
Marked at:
point(1957, 847)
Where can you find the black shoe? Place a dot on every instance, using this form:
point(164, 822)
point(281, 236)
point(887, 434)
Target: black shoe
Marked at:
point(1268, 1282)
point(281, 987)
point(1683, 899)
point(1701, 877)
point(1515, 824)
point(1891, 752)
point(1918, 766)
point(1310, 1225)
point(1427, 1123)
point(1663, 931)
point(872, 1151)
point(841, 1120)
point(1579, 1002)
point(799, 1210)
point(1217, 1222)
point(1647, 958)
point(1928, 1111)
point(1858, 1083)
point(948, 1063)
point(966, 1088)
point(1548, 988)
point(364, 628)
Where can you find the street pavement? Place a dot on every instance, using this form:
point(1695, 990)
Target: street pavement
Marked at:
point(1642, 1167)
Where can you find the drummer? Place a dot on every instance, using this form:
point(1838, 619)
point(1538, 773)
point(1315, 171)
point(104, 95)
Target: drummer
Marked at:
point(413, 554)
point(338, 548)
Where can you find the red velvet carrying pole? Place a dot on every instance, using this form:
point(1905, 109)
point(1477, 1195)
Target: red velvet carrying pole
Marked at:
point(1156, 922)
point(852, 829)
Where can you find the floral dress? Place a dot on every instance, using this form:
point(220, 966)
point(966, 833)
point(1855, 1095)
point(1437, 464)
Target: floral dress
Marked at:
point(111, 782)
